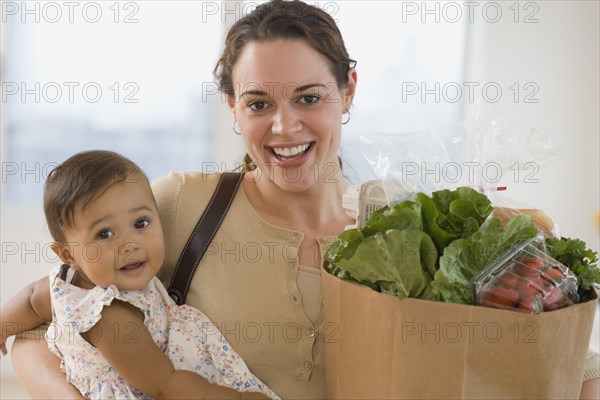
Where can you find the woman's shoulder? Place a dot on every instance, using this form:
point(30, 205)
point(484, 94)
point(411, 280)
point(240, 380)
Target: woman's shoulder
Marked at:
point(179, 190)
point(178, 181)
point(181, 198)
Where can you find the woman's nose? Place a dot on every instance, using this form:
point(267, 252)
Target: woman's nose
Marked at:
point(286, 120)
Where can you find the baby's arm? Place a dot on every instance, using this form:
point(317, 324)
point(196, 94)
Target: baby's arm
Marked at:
point(125, 342)
point(26, 310)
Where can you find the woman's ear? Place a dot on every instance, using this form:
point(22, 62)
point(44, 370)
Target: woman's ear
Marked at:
point(231, 105)
point(63, 252)
point(350, 88)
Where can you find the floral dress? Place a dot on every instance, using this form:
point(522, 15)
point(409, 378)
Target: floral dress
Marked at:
point(185, 334)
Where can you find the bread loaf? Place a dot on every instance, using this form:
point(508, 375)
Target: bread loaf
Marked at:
point(540, 219)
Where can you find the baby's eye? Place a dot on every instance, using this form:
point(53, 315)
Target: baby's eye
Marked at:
point(310, 99)
point(141, 223)
point(104, 234)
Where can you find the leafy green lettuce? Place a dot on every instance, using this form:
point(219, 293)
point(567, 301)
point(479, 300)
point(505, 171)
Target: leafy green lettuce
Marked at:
point(400, 262)
point(449, 215)
point(397, 250)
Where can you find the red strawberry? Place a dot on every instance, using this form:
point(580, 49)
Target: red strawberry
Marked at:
point(501, 297)
point(532, 285)
point(531, 304)
point(529, 266)
point(555, 299)
point(534, 262)
point(554, 276)
point(510, 280)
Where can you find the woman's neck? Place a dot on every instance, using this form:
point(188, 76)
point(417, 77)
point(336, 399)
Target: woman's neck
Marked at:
point(318, 209)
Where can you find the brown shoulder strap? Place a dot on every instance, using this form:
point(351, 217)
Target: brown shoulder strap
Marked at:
point(203, 234)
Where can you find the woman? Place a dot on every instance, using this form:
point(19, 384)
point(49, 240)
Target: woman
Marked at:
point(260, 279)
point(289, 83)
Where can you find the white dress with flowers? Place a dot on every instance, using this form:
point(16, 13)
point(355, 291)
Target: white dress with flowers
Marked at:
point(185, 334)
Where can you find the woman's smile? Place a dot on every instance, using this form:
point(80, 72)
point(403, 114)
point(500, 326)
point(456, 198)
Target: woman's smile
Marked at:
point(288, 156)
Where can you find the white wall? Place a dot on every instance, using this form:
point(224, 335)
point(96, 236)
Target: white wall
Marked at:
point(560, 55)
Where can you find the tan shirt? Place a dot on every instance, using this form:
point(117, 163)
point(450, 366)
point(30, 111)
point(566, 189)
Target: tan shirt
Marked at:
point(247, 284)
point(251, 286)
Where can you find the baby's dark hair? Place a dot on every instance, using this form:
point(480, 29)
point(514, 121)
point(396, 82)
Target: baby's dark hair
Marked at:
point(78, 181)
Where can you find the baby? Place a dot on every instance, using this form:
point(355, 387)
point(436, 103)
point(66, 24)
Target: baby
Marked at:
point(117, 331)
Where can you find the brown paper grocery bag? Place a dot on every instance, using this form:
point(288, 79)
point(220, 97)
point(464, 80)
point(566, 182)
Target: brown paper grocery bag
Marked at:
point(381, 347)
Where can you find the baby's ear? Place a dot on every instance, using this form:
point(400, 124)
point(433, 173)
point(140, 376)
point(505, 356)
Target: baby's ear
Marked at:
point(62, 252)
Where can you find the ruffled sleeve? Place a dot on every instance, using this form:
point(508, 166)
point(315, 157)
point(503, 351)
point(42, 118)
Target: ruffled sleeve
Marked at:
point(92, 304)
point(78, 308)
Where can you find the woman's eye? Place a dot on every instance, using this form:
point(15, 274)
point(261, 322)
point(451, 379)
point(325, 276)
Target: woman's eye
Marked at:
point(104, 234)
point(141, 223)
point(258, 105)
point(310, 99)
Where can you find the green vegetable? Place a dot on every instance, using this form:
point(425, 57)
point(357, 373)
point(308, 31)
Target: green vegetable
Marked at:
point(462, 206)
point(396, 252)
point(432, 219)
point(464, 258)
point(574, 254)
point(405, 215)
point(401, 262)
point(449, 215)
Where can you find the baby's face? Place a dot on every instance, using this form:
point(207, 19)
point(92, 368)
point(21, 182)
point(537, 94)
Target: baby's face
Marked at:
point(117, 238)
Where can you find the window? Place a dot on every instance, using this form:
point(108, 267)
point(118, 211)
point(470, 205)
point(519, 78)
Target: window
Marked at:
point(136, 77)
point(408, 69)
point(126, 76)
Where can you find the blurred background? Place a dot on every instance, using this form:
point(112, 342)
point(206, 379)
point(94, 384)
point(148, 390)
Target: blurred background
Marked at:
point(136, 77)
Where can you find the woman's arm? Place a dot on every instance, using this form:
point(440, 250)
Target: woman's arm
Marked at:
point(38, 369)
point(36, 366)
point(132, 352)
point(590, 389)
point(29, 308)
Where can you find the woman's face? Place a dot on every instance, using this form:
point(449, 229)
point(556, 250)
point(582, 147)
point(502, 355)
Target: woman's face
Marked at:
point(289, 109)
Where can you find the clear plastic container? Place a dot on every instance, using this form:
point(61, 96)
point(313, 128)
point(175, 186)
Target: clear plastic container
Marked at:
point(527, 280)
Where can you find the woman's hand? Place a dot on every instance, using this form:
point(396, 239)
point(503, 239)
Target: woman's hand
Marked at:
point(38, 369)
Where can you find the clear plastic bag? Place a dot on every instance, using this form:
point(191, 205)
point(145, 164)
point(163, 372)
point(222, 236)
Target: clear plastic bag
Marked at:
point(464, 155)
point(483, 152)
